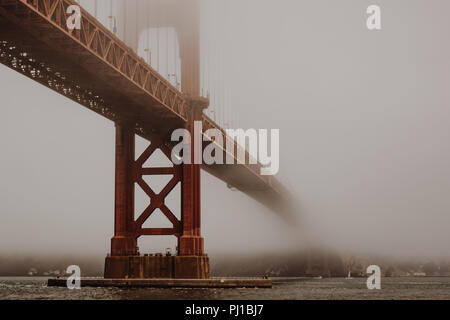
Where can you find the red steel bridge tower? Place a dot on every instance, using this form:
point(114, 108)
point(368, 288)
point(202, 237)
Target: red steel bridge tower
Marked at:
point(190, 261)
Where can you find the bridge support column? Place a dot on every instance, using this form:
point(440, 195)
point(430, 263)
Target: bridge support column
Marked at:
point(124, 243)
point(191, 241)
point(125, 260)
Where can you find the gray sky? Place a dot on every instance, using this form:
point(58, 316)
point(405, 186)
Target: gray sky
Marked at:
point(364, 119)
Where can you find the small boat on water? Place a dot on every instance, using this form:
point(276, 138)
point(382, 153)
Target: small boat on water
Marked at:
point(349, 276)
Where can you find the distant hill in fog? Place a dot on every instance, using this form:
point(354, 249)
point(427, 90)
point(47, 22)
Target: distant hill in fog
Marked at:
point(288, 264)
point(283, 264)
point(16, 265)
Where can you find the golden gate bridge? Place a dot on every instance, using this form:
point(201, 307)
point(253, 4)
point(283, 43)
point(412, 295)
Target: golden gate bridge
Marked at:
point(151, 66)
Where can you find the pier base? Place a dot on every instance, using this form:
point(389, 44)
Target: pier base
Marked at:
point(168, 283)
point(157, 267)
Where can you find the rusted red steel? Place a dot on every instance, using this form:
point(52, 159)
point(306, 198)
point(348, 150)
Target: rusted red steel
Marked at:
point(124, 243)
point(191, 241)
point(156, 200)
point(129, 172)
point(96, 38)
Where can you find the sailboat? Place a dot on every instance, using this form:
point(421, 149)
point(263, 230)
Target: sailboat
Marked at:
point(349, 276)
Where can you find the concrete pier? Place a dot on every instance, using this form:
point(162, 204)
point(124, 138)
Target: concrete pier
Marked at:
point(168, 283)
point(157, 267)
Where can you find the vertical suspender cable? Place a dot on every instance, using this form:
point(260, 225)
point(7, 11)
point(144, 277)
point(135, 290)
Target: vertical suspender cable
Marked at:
point(221, 72)
point(208, 28)
point(147, 27)
point(157, 36)
point(215, 63)
point(167, 44)
point(222, 61)
point(151, 35)
point(205, 37)
point(110, 17)
point(207, 44)
point(225, 80)
point(202, 52)
point(125, 21)
point(175, 56)
point(225, 71)
point(136, 32)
